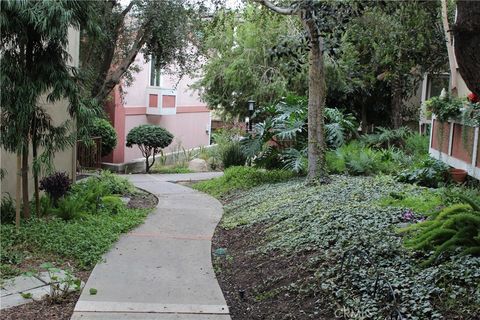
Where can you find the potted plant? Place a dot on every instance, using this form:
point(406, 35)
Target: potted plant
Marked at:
point(458, 175)
point(445, 106)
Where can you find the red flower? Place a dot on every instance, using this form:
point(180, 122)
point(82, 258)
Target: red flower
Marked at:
point(473, 98)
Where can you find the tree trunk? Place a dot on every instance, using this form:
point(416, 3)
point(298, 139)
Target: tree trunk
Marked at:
point(467, 43)
point(451, 55)
point(35, 177)
point(147, 167)
point(316, 104)
point(364, 118)
point(18, 189)
point(26, 198)
point(397, 103)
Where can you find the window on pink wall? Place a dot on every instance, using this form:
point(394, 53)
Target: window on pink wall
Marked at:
point(153, 100)
point(168, 101)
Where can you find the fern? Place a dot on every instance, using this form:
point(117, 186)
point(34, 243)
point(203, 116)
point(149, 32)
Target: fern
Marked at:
point(457, 226)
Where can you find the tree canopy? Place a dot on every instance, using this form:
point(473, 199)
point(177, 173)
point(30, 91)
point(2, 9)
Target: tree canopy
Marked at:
point(34, 64)
point(165, 29)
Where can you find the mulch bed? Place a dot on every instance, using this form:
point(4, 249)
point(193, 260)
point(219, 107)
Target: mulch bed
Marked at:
point(43, 310)
point(142, 200)
point(255, 286)
point(48, 310)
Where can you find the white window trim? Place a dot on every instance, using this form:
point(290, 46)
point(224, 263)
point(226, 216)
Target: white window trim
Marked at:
point(149, 85)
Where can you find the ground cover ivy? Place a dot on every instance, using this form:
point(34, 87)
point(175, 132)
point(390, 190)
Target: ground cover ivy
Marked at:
point(358, 258)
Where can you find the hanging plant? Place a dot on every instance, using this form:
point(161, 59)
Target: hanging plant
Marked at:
point(445, 107)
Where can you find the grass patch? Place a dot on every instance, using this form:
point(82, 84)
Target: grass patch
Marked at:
point(170, 169)
point(425, 202)
point(241, 178)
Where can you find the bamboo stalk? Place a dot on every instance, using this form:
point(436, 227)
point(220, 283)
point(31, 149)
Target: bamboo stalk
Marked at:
point(18, 190)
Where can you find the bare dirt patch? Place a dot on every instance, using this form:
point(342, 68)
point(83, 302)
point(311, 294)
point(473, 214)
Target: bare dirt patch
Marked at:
point(258, 286)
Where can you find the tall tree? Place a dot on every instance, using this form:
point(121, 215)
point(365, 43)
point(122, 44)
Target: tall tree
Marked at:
point(466, 33)
point(249, 57)
point(395, 43)
point(34, 63)
point(319, 20)
point(165, 29)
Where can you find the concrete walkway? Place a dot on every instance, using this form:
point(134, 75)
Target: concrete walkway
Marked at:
point(163, 269)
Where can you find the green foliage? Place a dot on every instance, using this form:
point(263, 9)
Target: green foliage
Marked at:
point(281, 139)
point(428, 172)
point(103, 129)
point(86, 222)
point(89, 193)
point(232, 155)
point(7, 209)
point(416, 144)
point(84, 240)
point(228, 149)
point(456, 226)
point(326, 221)
point(68, 208)
point(34, 64)
point(425, 202)
point(339, 127)
point(388, 48)
point(150, 139)
point(357, 159)
point(170, 169)
point(63, 282)
point(241, 178)
point(112, 204)
point(445, 108)
point(241, 64)
point(386, 137)
point(168, 29)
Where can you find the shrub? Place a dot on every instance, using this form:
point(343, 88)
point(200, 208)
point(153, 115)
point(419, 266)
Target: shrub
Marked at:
point(113, 204)
point(45, 206)
point(68, 208)
point(241, 178)
point(356, 159)
point(386, 137)
point(429, 173)
point(103, 129)
point(416, 144)
point(150, 140)
point(457, 226)
point(7, 209)
point(232, 155)
point(89, 192)
point(56, 185)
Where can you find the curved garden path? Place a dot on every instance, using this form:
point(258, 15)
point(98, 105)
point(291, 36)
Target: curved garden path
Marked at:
point(162, 269)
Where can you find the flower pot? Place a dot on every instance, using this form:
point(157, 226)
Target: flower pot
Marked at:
point(458, 175)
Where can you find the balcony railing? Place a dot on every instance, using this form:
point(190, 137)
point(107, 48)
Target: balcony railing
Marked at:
point(457, 145)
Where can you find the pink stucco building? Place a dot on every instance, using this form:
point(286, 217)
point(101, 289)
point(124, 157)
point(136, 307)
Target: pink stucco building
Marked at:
point(159, 99)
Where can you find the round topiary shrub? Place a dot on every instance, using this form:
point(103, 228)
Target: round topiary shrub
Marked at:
point(102, 128)
point(150, 140)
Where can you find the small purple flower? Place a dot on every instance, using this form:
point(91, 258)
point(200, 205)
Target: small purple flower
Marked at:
point(408, 216)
